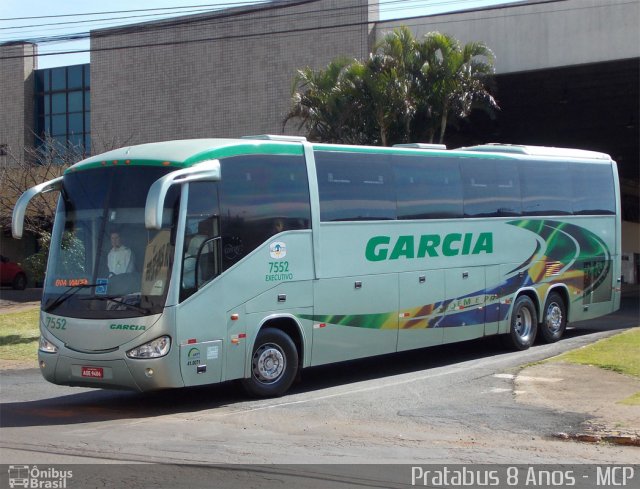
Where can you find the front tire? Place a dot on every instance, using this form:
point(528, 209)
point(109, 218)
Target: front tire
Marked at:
point(554, 318)
point(274, 364)
point(524, 324)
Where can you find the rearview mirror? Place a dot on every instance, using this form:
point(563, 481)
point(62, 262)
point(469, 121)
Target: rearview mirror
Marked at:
point(206, 171)
point(19, 210)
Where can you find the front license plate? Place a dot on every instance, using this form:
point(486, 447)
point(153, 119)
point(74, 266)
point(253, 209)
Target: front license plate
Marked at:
point(93, 372)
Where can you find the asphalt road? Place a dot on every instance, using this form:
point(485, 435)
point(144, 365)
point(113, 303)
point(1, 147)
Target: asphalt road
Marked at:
point(449, 404)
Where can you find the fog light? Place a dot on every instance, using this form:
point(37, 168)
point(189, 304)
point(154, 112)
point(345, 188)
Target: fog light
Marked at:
point(149, 372)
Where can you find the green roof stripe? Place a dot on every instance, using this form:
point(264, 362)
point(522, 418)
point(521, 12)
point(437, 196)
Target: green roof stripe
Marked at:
point(405, 151)
point(183, 154)
point(99, 164)
point(242, 148)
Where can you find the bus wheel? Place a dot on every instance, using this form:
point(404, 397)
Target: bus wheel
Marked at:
point(274, 364)
point(524, 324)
point(554, 320)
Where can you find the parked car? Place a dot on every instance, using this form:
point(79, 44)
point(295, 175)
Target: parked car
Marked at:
point(12, 274)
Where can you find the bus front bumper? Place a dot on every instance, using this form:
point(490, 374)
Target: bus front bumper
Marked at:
point(137, 375)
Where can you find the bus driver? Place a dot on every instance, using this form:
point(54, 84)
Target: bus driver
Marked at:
point(120, 258)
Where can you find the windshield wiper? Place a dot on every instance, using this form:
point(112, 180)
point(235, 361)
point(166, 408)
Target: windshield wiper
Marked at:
point(66, 294)
point(116, 299)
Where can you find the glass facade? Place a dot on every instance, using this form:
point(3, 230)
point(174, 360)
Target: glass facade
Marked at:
point(63, 109)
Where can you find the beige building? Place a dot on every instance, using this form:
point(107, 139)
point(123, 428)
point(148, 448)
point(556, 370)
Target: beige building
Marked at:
point(16, 98)
point(222, 75)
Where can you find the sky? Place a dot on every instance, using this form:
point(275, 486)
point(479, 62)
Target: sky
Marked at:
point(19, 18)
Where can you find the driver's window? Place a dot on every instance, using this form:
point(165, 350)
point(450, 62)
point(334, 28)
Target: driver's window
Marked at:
point(201, 255)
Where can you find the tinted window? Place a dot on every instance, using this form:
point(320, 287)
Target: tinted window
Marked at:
point(40, 85)
point(201, 254)
point(355, 187)
point(491, 188)
point(546, 188)
point(75, 101)
point(59, 104)
point(75, 123)
point(58, 78)
point(592, 189)
point(59, 125)
point(261, 195)
point(428, 187)
point(74, 74)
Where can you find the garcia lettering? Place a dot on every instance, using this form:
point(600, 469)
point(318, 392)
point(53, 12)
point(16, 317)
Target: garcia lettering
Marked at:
point(128, 327)
point(380, 248)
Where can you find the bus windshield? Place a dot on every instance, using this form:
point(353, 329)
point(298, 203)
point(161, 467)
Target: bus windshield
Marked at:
point(103, 262)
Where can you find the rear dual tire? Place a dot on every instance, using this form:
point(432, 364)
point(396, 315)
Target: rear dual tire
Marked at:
point(524, 324)
point(554, 318)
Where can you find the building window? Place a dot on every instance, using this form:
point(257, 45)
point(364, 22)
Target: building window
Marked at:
point(63, 112)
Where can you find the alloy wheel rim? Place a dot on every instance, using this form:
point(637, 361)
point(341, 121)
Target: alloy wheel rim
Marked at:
point(268, 363)
point(554, 317)
point(524, 323)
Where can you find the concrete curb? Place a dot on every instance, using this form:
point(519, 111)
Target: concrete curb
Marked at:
point(626, 440)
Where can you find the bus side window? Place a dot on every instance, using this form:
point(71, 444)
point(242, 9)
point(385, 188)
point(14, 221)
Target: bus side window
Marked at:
point(546, 188)
point(429, 187)
point(201, 256)
point(593, 189)
point(260, 196)
point(355, 187)
point(491, 188)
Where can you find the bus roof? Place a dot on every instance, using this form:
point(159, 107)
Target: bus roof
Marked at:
point(539, 151)
point(187, 152)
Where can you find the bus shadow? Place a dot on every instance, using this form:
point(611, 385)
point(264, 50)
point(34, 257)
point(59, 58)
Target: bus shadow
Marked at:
point(105, 405)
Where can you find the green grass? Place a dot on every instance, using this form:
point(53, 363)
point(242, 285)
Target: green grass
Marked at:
point(19, 335)
point(633, 400)
point(619, 353)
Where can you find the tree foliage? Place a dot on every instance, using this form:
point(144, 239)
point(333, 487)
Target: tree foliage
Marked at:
point(27, 168)
point(407, 90)
point(30, 166)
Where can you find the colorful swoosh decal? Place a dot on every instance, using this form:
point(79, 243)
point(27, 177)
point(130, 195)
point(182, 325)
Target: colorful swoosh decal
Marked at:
point(565, 253)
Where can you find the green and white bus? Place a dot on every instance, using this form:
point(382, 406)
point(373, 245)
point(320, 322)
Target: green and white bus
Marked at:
point(254, 258)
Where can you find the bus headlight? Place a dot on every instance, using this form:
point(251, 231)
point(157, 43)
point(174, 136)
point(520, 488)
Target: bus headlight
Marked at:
point(46, 346)
point(154, 349)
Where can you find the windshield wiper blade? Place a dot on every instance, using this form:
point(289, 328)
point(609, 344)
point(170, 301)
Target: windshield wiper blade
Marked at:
point(117, 300)
point(66, 294)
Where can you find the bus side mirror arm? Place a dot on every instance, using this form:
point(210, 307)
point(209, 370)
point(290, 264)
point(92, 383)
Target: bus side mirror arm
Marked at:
point(19, 210)
point(206, 171)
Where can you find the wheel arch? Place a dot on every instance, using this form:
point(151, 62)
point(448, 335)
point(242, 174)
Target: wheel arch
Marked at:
point(287, 323)
point(532, 294)
point(563, 291)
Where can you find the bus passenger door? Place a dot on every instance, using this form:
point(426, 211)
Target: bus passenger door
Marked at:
point(465, 310)
point(354, 317)
point(421, 309)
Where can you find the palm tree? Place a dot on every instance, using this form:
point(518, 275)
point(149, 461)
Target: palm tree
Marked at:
point(456, 78)
point(405, 91)
point(327, 101)
point(394, 65)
